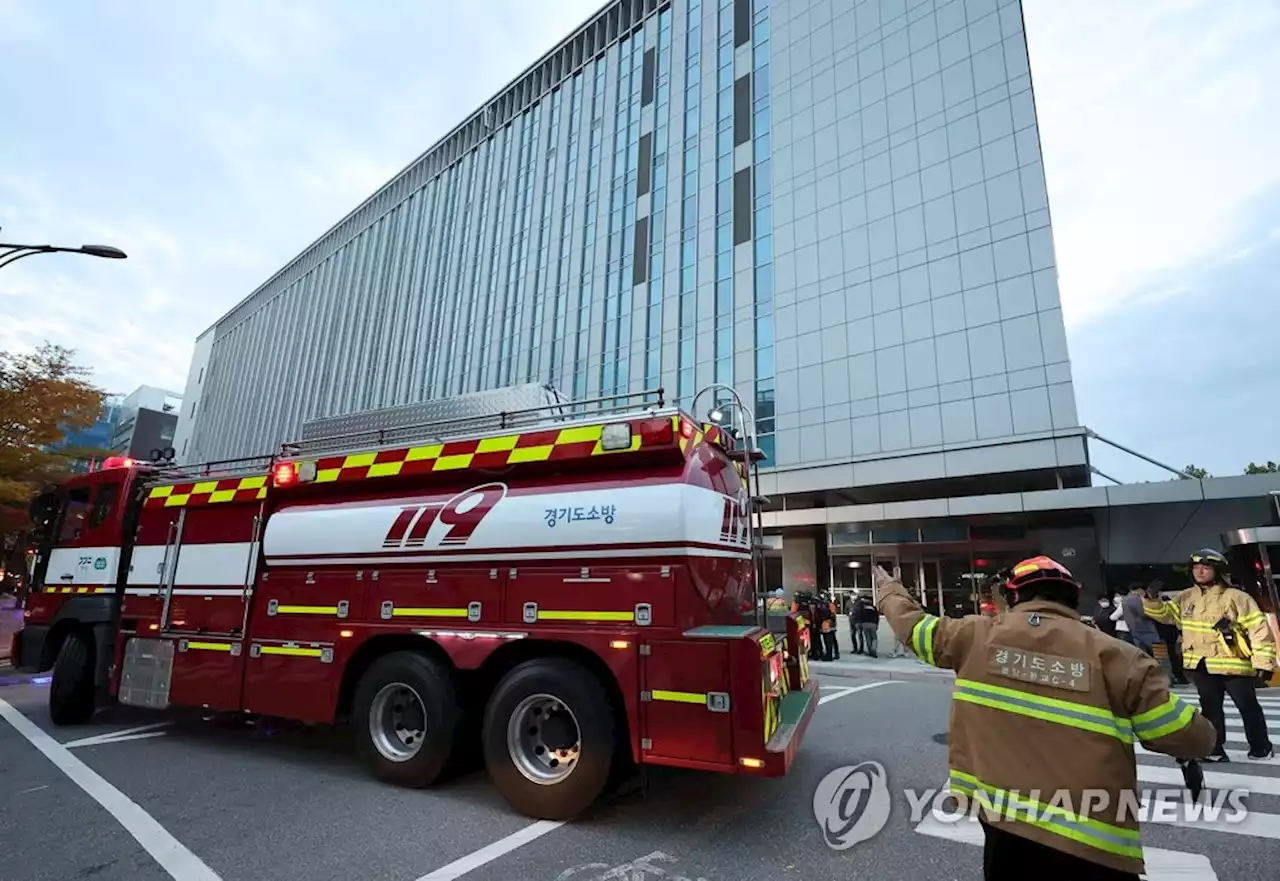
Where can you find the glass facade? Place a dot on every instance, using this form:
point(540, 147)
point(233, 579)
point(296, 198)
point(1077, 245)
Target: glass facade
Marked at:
point(836, 208)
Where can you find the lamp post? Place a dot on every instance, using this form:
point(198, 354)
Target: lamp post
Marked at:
point(11, 253)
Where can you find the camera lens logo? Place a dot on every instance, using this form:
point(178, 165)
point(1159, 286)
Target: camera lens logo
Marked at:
point(852, 804)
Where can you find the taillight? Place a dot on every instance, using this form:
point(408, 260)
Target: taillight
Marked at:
point(655, 432)
point(686, 429)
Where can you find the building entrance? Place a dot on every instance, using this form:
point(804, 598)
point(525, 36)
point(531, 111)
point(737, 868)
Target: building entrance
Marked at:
point(943, 583)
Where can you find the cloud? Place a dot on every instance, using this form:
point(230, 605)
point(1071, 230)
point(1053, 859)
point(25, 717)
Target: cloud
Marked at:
point(1159, 123)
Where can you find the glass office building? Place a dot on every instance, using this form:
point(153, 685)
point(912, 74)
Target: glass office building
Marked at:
point(837, 207)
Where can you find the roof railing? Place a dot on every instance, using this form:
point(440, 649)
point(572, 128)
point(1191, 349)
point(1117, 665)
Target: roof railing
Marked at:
point(246, 466)
point(558, 413)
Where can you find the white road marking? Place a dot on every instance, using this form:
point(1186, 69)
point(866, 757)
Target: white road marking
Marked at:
point(491, 852)
point(110, 740)
point(637, 870)
point(1233, 724)
point(1256, 825)
point(1255, 784)
point(113, 736)
point(33, 789)
point(1162, 865)
point(502, 846)
point(1273, 761)
point(845, 692)
point(171, 854)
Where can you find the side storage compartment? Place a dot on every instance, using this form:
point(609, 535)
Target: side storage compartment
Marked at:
point(685, 704)
point(417, 596)
point(297, 621)
point(635, 595)
point(206, 672)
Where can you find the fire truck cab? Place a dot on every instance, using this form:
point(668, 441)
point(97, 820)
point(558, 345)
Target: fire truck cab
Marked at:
point(568, 585)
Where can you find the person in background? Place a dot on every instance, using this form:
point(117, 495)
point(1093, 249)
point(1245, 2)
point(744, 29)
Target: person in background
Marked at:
point(1102, 615)
point(1152, 605)
point(831, 645)
point(1142, 630)
point(1117, 618)
point(855, 621)
point(870, 627)
point(1227, 647)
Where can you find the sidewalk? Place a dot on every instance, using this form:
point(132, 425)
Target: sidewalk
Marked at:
point(853, 666)
point(882, 667)
point(10, 623)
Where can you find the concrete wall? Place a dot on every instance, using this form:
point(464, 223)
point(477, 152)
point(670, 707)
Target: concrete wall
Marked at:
point(1167, 533)
point(1078, 550)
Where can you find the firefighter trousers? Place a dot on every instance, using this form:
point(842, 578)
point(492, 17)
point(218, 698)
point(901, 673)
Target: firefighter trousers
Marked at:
point(1244, 694)
point(1009, 857)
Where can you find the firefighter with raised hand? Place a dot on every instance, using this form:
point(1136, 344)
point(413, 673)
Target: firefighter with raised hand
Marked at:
point(1227, 648)
point(1048, 708)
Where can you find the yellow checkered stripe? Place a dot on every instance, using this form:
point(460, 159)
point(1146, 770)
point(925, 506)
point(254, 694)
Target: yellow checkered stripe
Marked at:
point(107, 589)
point(208, 492)
point(490, 452)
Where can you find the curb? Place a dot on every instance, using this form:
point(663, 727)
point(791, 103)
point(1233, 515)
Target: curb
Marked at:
point(946, 677)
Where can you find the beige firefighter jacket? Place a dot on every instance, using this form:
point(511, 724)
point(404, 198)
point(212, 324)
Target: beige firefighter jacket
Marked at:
point(1044, 716)
point(1197, 610)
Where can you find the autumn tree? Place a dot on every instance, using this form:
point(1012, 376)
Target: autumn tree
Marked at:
point(44, 395)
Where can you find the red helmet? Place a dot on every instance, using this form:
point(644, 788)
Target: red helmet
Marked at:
point(1040, 570)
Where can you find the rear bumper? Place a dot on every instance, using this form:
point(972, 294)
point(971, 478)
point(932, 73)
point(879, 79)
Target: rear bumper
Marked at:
point(797, 710)
point(28, 648)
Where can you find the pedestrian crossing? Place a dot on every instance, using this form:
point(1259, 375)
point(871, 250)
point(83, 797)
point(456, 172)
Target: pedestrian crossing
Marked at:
point(1259, 778)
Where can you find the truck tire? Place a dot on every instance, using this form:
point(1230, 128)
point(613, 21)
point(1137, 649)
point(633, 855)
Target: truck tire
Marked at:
point(71, 700)
point(549, 739)
point(405, 718)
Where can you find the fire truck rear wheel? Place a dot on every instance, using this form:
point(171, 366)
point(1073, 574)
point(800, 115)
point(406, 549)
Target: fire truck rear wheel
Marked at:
point(71, 692)
point(406, 715)
point(549, 740)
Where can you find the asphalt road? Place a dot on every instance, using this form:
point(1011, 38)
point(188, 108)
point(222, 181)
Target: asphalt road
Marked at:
point(289, 803)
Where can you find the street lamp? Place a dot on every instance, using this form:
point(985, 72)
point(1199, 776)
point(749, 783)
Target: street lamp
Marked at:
point(11, 253)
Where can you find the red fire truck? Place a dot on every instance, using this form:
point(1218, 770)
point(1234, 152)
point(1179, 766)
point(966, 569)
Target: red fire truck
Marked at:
point(568, 588)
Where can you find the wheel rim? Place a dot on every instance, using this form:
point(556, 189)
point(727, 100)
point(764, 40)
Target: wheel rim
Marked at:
point(543, 739)
point(397, 722)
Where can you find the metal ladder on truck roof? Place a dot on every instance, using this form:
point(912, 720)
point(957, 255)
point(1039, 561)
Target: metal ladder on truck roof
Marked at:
point(466, 417)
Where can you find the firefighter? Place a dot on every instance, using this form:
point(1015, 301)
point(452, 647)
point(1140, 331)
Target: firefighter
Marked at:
point(1227, 648)
point(1047, 708)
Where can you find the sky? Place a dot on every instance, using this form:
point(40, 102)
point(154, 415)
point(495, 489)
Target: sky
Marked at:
point(215, 143)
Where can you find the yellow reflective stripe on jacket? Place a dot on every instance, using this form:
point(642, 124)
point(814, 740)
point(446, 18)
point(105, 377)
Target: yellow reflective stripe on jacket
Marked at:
point(1166, 612)
point(1171, 716)
point(1058, 820)
point(1252, 620)
point(922, 638)
point(1048, 709)
point(1237, 666)
point(1199, 626)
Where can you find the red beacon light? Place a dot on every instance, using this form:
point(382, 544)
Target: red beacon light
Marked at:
point(117, 462)
point(285, 474)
